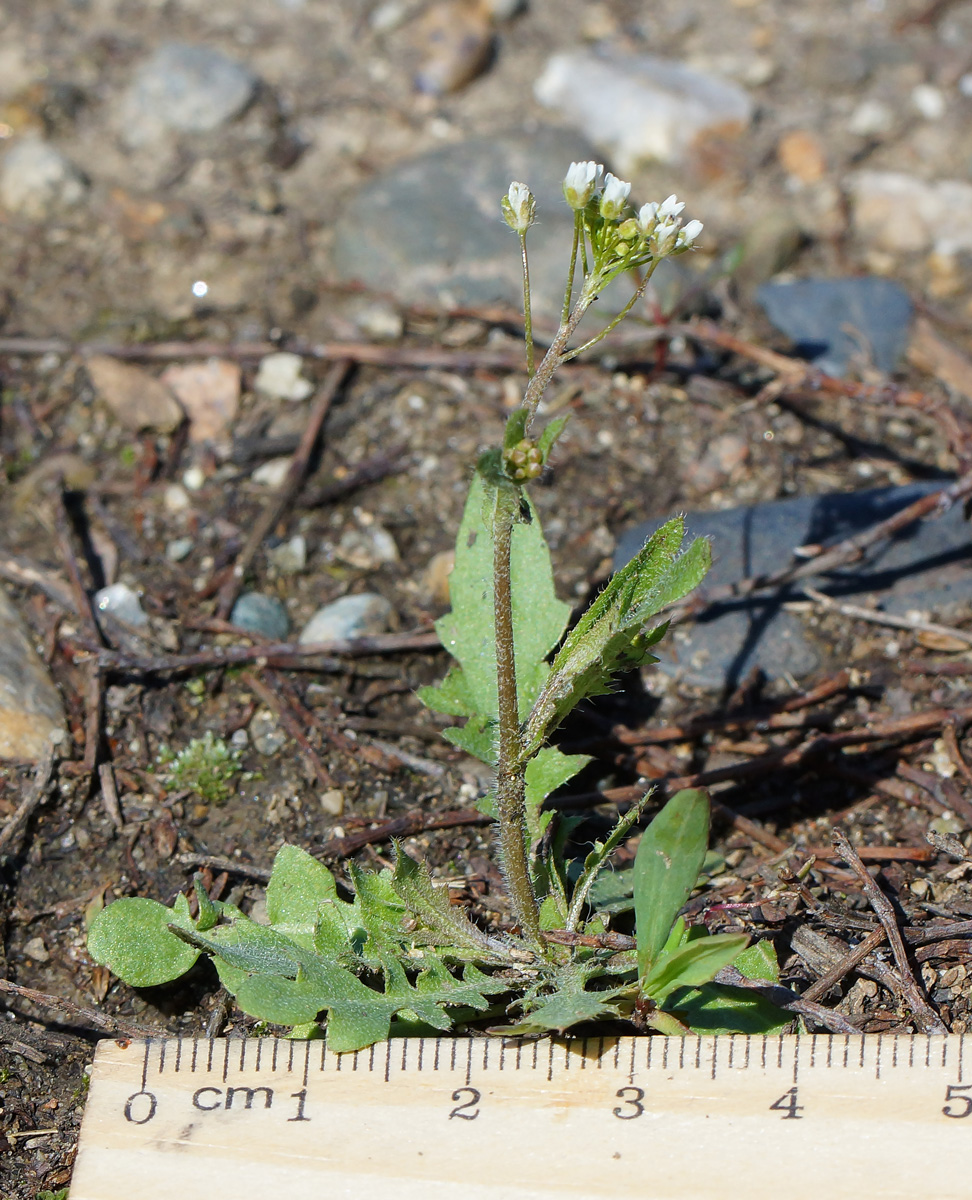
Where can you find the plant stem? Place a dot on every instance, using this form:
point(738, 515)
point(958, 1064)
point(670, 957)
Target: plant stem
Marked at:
point(578, 228)
point(510, 769)
point(616, 321)
point(527, 310)
point(555, 354)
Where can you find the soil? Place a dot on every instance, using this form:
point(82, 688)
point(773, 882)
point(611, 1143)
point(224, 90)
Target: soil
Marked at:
point(249, 209)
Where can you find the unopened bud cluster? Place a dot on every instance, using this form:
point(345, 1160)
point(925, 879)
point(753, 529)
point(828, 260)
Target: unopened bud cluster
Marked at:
point(524, 461)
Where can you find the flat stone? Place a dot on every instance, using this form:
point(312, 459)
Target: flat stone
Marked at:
point(137, 399)
point(361, 615)
point(31, 713)
point(278, 376)
point(261, 614)
point(928, 566)
point(431, 228)
point(821, 315)
point(37, 181)
point(184, 89)
point(637, 108)
point(210, 394)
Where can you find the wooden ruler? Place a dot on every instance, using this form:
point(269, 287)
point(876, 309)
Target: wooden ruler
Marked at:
point(487, 1119)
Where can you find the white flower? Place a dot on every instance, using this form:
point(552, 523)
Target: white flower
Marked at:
point(688, 235)
point(581, 182)
point(519, 207)
point(663, 238)
point(647, 218)
point(615, 197)
point(669, 208)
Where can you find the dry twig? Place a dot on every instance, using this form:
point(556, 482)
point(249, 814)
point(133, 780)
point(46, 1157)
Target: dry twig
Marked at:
point(281, 500)
point(927, 1019)
point(35, 796)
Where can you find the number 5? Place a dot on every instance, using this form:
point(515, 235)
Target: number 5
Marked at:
point(952, 1092)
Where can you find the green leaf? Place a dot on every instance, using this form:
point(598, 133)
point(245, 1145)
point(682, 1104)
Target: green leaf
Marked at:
point(299, 888)
point(714, 1008)
point(552, 431)
point(208, 911)
point(131, 937)
point(515, 430)
point(666, 869)
point(597, 858)
point(412, 881)
point(611, 636)
point(565, 1009)
point(694, 964)
point(545, 772)
point(467, 632)
point(759, 961)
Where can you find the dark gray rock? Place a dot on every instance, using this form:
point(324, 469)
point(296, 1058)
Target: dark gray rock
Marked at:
point(818, 315)
point(261, 614)
point(431, 228)
point(927, 566)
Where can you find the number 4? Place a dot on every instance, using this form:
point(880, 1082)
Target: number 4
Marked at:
point(787, 1104)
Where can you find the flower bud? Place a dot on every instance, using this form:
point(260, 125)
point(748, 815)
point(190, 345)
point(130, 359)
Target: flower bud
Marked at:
point(580, 183)
point(629, 230)
point(615, 197)
point(519, 207)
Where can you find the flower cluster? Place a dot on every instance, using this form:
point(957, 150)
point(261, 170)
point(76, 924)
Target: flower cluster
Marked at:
point(655, 232)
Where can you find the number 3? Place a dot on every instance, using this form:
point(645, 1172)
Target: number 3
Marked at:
point(635, 1098)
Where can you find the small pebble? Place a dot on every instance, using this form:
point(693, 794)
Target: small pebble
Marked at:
point(265, 734)
point(261, 614)
point(290, 557)
point(36, 950)
point(121, 602)
point(186, 89)
point(367, 547)
point(175, 498)
point(194, 478)
point(332, 801)
point(457, 40)
point(37, 181)
point(279, 376)
point(929, 101)
point(361, 615)
point(179, 549)
point(210, 394)
point(272, 473)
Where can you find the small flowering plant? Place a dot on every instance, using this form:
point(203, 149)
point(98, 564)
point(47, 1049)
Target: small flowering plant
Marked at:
point(391, 955)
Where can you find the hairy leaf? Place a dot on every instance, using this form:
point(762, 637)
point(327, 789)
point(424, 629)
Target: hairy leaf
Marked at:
point(611, 637)
point(694, 964)
point(598, 857)
point(467, 632)
point(545, 772)
point(564, 1009)
point(132, 938)
point(666, 869)
point(412, 881)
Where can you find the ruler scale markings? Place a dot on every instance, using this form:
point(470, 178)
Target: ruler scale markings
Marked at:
point(715, 1052)
point(762, 1058)
point(195, 1048)
point(945, 1051)
point(911, 1052)
point(960, 1056)
point(178, 1056)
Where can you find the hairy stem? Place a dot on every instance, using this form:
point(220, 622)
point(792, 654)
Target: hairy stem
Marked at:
point(578, 232)
point(555, 354)
point(616, 321)
point(527, 310)
point(510, 769)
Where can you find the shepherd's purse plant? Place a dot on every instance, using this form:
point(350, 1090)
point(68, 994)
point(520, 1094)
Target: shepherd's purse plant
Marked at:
point(391, 955)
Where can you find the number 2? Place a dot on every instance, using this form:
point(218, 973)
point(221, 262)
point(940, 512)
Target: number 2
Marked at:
point(459, 1110)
